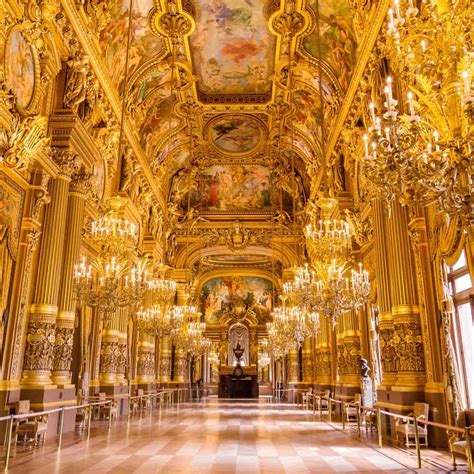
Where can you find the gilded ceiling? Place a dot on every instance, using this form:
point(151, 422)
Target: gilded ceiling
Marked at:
point(211, 104)
point(227, 106)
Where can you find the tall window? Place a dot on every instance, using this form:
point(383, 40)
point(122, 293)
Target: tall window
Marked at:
point(460, 286)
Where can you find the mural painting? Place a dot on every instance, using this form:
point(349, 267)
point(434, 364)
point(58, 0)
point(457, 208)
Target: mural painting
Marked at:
point(233, 49)
point(235, 187)
point(221, 295)
point(338, 43)
point(20, 68)
point(113, 38)
point(158, 120)
point(237, 134)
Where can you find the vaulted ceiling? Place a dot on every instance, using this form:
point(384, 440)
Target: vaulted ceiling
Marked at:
point(224, 98)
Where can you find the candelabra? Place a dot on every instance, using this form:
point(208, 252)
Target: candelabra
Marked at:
point(424, 155)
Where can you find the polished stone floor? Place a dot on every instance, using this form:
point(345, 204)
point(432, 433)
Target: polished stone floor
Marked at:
point(217, 436)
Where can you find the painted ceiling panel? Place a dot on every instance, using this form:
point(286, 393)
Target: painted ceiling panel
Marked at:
point(145, 45)
point(232, 48)
point(338, 42)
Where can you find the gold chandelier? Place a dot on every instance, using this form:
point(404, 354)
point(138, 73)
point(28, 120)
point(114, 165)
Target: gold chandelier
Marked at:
point(112, 280)
point(191, 339)
point(420, 149)
point(330, 286)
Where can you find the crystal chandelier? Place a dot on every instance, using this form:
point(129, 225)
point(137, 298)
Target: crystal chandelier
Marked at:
point(329, 286)
point(191, 339)
point(112, 280)
point(420, 150)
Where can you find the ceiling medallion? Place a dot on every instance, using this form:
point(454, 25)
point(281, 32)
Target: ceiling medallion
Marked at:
point(235, 134)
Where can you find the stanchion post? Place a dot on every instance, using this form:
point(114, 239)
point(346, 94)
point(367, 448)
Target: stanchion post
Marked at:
point(89, 420)
point(330, 409)
point(379, 427)
point(358, 420)
point(470, 461)
point(320, 398)
point(9, 442)
point(417, 442)
point(110, 414)
point(61, 427)
point(343, 411)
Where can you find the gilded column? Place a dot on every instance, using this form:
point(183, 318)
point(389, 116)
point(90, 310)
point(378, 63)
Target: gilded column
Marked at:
point(307, 361)
point(66, 315)
point(348, 359)
point(322, 357)
point(384, 297)
point(109, 353)
point(146, 361)
point(408, 340)
point(293, 366)
point(122, 361)
point(181, 374)
point(165, 360)
point(39, 352)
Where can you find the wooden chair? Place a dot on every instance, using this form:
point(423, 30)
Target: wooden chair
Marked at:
point(352, 411)
point(105, 410)
point(407, 427)
point(306, 397)
point(32, 428)
point(458, 446)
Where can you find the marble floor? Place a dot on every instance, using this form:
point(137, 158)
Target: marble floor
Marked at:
point(217, 436)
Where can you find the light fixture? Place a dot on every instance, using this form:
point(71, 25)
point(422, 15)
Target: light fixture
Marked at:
point(420, 150)
point(114, 279)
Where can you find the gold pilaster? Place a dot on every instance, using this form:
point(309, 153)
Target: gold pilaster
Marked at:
point(384, 297)
point(408, 341)
point(293, 366)
point(38, 359)
point(66, 315)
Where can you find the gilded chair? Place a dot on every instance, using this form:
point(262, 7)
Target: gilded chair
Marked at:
point(407, 427)
point(32, 428)
point(458, 445)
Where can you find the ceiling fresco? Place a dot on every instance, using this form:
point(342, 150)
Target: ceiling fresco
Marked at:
point(232, 48)
point(256, 144)
point(235, 134)
point(338, 43)
point(145, 44)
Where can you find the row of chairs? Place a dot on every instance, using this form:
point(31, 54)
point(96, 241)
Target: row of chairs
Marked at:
point(404, 428)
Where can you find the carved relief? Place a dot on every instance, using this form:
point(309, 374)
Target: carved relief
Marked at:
point(348, 357)
point(389, 354)
point(408, 342)
point(63, 349)
point(109, 357)
point(146, 362)
point(39, 346)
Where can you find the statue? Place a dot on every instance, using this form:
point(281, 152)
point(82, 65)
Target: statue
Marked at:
point(76, 89)
point(366, 384)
